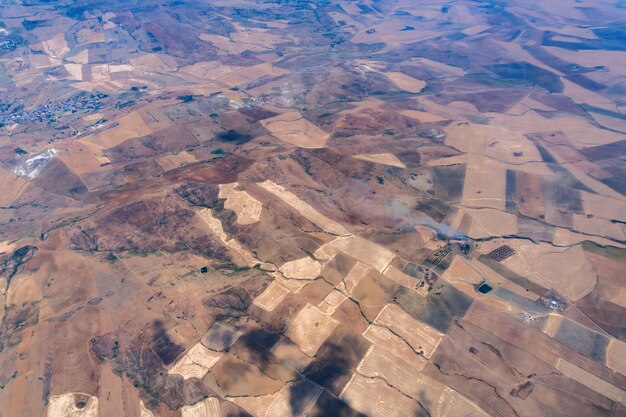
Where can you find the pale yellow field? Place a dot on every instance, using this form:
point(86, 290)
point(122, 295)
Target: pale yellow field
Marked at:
point(485, 184)
point(619, 297)
point(97, 151)
point(390, 33)
point(242, 256)
point(293, 285)
point(365, 251)
point(86, 35)
point(75, 71)
point(271, 297)
point(257, 406)
point(247, 208)
point(40, 62)
point(579, 130)
point(11, 186)
point(212, 405)
point(373, 397)
point(490, 222)
point(259, 36)
point(616, 356)
point(355, 275)
point(473, 30)
point(56, 47)
point(155, 117)
point(283, 406)
point(603, 206)
point(552, 325)
point(294, 129)
point(383, 338)
point(143, 411)
point(406, 82)
point(590, 380)
point(310, 328)
point(599, 227)
point(382, 158)
point(380, 363)
point(494, 278)
point(565, 237)
point(331, 302)
point(230, 46)
point(303, 268)
point(79, 159)
point(548, 266)
point(246, 74)
point(461, 271)
point(422, 116)
point(277, 404)
point(255, 40)
point(496, 143)
point(455, 404)
point(128, 127)
point(175, 161)
point(305, 209)
point(325, 253)
point(419, 335)
point(6, 247)
point(196, 362)
point(440, 66)
point(396, 275)
point(81, 57)
point(207, 408)
point(153, 63)
point(207, 70)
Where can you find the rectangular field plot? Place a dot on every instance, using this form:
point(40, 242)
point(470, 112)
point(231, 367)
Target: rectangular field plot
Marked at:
point(220, 337)
point(590, 380)
point(355, 275)
point(420, 336)
point(207, 408)
point(365, 251)
point(456, 404)
point(373, 397)
point(271, 297)
point(332, 301)
point(485, 184)
point(310, 328)
point(379, 363)
point(383, 338)
point(305, 209)
point(401, 278)
point(438, 309)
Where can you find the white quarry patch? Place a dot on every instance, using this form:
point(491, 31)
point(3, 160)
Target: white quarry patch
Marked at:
point(304, 268)
point(196, 362)
point(32, 166)
point(73, 404)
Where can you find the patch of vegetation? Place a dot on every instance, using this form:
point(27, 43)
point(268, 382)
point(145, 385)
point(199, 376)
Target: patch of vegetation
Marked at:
point(617, 254)
point(524, 71)
point(186, 98)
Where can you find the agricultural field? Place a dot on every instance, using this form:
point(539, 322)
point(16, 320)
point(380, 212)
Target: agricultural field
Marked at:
point(321, 208)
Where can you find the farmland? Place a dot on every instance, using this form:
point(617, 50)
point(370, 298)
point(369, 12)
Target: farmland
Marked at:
point(312, 208)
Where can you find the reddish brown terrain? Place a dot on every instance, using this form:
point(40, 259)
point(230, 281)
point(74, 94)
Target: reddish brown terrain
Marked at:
point(371, 208)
